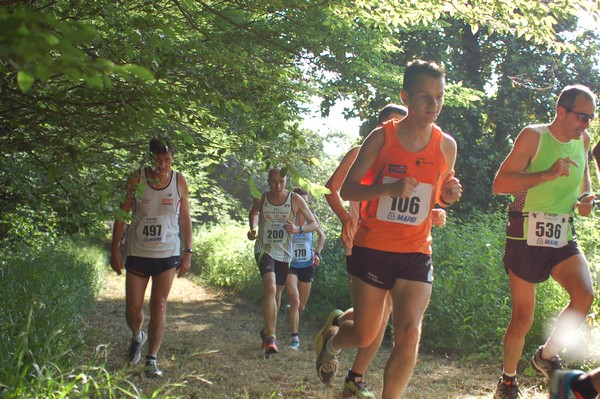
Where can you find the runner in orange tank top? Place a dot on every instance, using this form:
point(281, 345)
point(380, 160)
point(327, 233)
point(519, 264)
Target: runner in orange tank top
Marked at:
point(401, 170)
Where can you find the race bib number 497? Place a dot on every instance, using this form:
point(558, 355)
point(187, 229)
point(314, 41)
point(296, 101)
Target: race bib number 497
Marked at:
point(412, 210)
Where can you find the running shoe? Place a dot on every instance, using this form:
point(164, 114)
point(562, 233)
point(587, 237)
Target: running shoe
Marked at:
point(295, 344)
point(271, 346)
point(560, 384)
point(356, 388)
point(327, 364)
point(507, 389)
point(545, 367)
point(318, 341)
point(135, 349)
point(152, 370)
point(263, 337)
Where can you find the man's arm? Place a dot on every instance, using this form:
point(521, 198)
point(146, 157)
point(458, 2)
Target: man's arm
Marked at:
point(334, 184)
point(585, 201)
point(512, 177)
point(253, 216)
point(301, 208)
point(116, 262)
point(449, 188)
point(320, 243)
point(185, 225)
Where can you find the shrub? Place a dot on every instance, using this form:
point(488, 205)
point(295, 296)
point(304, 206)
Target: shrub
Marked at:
point(43, 295)
point(470, 305)
point(224, 257)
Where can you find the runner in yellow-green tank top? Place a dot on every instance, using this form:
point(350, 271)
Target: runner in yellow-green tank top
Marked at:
point(547, 173)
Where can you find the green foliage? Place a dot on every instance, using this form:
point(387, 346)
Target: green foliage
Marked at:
point(470, 306)
point(224, 257)
point(85, 84)
point(44, 293)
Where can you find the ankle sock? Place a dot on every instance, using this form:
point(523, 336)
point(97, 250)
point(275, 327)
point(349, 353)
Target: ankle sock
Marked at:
point(138, 338)
point(352, 376)
point(583, 386)
point(295, 337)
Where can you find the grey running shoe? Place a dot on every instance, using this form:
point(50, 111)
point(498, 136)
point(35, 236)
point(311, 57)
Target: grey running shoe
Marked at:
point(508, 389)
point(135, 349)
point(546, 367)
point(327, 364)
point(318, 341)
point(152, 371)
point(357, 388)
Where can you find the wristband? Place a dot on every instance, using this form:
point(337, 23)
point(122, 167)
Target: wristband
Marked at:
point(317, 254)
point(444, 202)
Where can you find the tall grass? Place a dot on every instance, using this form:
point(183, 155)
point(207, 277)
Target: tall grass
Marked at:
point(45, 292)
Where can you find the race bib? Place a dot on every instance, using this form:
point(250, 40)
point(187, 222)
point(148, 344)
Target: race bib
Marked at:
point(547, 229)
point(151, 229)
point(301, 251)
point(412, 210)
point(274, 232)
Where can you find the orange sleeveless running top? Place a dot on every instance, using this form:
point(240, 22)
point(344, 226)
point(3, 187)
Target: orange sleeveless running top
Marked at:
point(395, 224)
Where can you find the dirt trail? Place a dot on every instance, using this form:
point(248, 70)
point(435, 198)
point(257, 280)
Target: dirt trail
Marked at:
point(212, 344)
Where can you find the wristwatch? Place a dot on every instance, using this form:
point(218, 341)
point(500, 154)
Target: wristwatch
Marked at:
point(301, 229)
point(190, 250)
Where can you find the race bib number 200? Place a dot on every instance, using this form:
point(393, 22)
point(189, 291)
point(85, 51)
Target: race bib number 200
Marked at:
point(547, 229)
point(412, 210)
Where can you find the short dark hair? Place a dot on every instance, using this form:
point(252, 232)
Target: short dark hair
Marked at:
point(161, 146)
point(567, 96)
point(391, 109)
point(420, 67)
point(300, 191)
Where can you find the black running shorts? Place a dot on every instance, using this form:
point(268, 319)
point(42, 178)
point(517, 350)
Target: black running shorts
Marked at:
point(534, 264)
point(266, 264)
point(381, 268)
point(146, 267)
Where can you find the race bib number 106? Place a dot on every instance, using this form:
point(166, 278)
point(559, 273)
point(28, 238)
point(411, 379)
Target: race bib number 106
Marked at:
point(412, 210)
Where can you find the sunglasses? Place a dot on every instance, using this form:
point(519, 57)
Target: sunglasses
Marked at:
point(583, 117)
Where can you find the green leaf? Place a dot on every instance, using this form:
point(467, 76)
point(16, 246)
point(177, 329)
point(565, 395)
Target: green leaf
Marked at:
point(25, 80)
point(138, 71)
point(253, 190)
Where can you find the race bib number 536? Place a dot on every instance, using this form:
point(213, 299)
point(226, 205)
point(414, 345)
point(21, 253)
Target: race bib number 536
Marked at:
point(547, 229)
point(412, 210)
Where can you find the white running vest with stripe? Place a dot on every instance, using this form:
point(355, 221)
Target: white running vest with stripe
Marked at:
point(154, 232)
point(272, 237)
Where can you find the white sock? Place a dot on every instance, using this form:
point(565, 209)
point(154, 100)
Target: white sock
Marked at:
point(138, 338)
point(549, 350)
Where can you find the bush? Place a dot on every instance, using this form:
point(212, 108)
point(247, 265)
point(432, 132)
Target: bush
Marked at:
point(470, 306)
point(224, 257)
point(43, 295)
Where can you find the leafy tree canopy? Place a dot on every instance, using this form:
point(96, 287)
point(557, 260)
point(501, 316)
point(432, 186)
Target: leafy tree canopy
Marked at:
point(86, 83)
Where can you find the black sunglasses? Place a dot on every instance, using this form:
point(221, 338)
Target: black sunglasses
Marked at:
point(583, 117)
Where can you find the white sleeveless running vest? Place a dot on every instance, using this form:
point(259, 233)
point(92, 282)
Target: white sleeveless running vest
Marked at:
point(272, 237)
point(154, 232)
